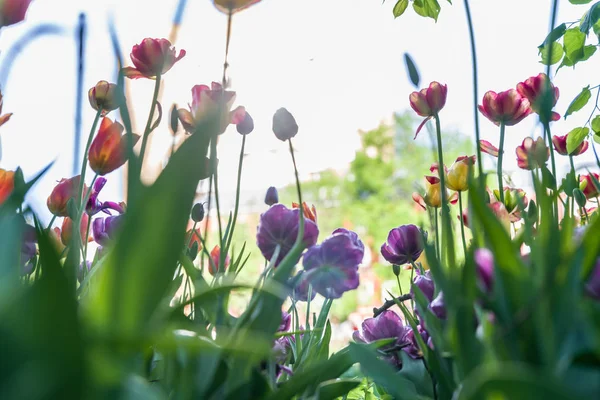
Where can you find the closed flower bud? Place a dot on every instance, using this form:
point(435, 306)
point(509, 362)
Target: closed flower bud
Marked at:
point(458, 174)
point(589, 185)
point(66, 232)
point(174, 123)
point(13, 11)
point(272, 197)
point(284, 125)
point(438, 306)
point(560, 145)
point(484, 266)
point(104, 97)
point(579, 197)
point(65, 190)
point(246, 126)
point(428, 102)
point(197, 212)
point(215, 258)
point(532, 154)
point(109, 148)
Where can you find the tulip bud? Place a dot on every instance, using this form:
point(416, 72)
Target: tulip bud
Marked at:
point(272, 197)
point(104, 97)
point(64, 191)
point(246, 126)
point(438, 306)
point(589, 185)
point(83, 270)
point(425, 284)
point(67, 230)
point(579, 197)
point(396, 269)
point(174, 120)
point(284, 125)
point(484, 266)
point(198, 212)
point(213, 264)
point(193, 251)
point(458, 174)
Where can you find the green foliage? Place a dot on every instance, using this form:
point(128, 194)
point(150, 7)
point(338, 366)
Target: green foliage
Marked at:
point(576, 137)
point(579, 101)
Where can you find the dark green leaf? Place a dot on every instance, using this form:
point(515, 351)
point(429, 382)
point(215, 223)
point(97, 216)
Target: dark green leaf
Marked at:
point(331, 390)
point(415, 371)
point(580, 1)
point(554, 35)
point(576, 137)
point(574, 41)
point(580, 101)
point(591, 17)
point(596, 124)
point(413, 72)
point(400, 7)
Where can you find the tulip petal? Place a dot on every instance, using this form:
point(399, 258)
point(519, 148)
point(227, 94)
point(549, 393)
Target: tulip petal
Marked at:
point(238, 115)
point(132, 73)
point(417, 198)
point(488, 148)
point(421, 125)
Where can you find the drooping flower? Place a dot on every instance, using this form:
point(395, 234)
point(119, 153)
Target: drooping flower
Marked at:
point(233, 6)
point(109, 148)
point(507, 107)
point(332, 266)
point(197, 213)
point(66, 231)
point(532, 154)
point(7, 184)
point(104, 229)
point(13, 11)
point(272, 197)
point(592, 286)
point(284, 125)
point(246, 125)
point(104, 97)
point(484, 266)
point(488, 148)
point(215, 257)
point(209, 102)
point(560, 145)
point(386, 325)
point(309, 212)
point(511, 201)
point(152, 57)
point(278, 226)
point(587, 185)
point(542, 95)
point(428, 102)
point(404, 245)
point(458, 174)
point(65, 190)
point(425, 283)
point(433, 194)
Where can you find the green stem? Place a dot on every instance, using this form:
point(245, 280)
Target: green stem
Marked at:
point(213, 162)
point(300, 236)
point(548, 136)
point(462, 224)
point(500, 158)
point(437, 234)
point(573, 173)
point(85, 247)
point(51, 222)
point(399, 285)
point(237, 194)
point(147, 130)
point(85, 155)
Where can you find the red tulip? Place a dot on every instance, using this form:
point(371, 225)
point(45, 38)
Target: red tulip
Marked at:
point(65, 190)
point(541, 94)
point(433, 194)
point(109, 149)
point(587, 186)
point(233, 5)
point(13, 11)
point(66, 231)
point(7, 184)
point(532, 154)
point(560, 145)
point(152, 57)
point(488, 148)
point(507, 107)
point(213, 264)
point(207, 102)
point(428, 102)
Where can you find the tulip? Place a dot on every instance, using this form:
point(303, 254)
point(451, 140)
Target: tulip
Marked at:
point(215, 257)
point(284, 125)
point(428, 102)
point(387, 325)
point(511, 201)
point(233, 6)
point(286, 322)
point(438, 306)
point(301, 287)
point(272, 197)
point(3, 117)
point(208, 102)
point(310, 213)
point(425, 283)
point(404, 245)
point(484, 267)
point(104, 97)
point(458, 174)
point(488, 148)
point(94, 206)
point(532, 154)
point(413, 349)
point(83, 270)
point(587, 185)
point(109, 149)
point(508, 108)
point(433, 194)
point(194, 237)
point(65, 190)
point(197, 212)
point(67, 230)
point(13, 11)
point(542, 95)
point(7, 184)
point(501, 213)
point(278, 226)
point(246, 125)
point(55, 238)
point(104, 229)
point(332, 266)
point(560, 145)
point(152, 57)
point(592, 286)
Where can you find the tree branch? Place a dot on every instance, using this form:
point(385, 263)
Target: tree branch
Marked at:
point(390, 303)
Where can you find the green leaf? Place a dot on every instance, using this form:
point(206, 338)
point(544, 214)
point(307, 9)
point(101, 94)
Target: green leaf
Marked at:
point(579, 101)
point(574, 41)
point(580, 1)
point(413, 72)
point(415, 372)
point(557, 53)
point(596, 138)
point(554, 35)
point(596, 124)
point(400, 7)
point(427, 8)
point(576, 137)
point(331, 390)
point(590, 19)
point(588, 51)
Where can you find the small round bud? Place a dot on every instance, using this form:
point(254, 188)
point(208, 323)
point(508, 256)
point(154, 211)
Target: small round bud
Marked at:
point(198, 212)
point(174, 120)
point(104, 97)
point(272, 197)
point(396, 269)
point(284, 125)
point(246, 126)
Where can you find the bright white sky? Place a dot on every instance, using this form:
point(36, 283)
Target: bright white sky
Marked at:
point(336, 64)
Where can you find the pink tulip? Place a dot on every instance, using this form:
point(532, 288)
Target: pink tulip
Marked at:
point(541, 94)
point(428, 102)
point(507, 107)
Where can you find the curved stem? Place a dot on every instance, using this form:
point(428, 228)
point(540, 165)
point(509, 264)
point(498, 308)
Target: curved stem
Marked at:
point(85, 155)
point(149, 122)
point(500, 158)
point(462, 223)
point(299, 190)
point(475, 86)
point(237, 194)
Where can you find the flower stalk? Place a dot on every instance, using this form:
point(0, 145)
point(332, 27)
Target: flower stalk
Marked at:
point(500, 159)
point(147, 129)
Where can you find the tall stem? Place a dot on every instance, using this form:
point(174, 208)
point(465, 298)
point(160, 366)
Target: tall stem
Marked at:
point(437, 234)
point(548, 137)
point(448, 249)
point(85, 155)
point(500, 158)
point(576, 180)
point(213, 163)
point(300, 236)
point(462, 223)
point(237, 194)
point(149, 122)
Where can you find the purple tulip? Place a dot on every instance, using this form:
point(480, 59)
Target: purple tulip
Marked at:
point(94, 206)
point(438, 307)
point(404, 245)
point(413, 350)
point(332, 266)
point(278, 226)
point(353, 235)
point(28, 249)
point(284, 125)
point(592, 287)
point(386, 325)
point(286, 322)
point(272, 197)
point(425, 284)
point(82, 272)
point(301, 288)
point(104, 229)
point(484, 265)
